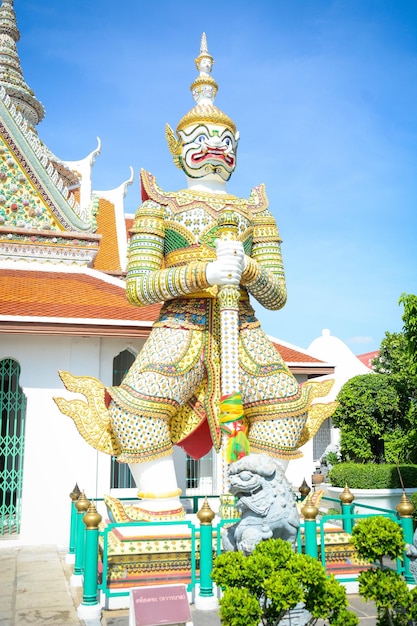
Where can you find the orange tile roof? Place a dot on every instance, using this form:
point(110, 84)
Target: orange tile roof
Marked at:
point(72, 295)
point(107, 259)
point(293, 356)
point(368, 357)
point(67, 295)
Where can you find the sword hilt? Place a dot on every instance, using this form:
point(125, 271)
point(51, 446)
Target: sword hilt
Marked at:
point(228, 225)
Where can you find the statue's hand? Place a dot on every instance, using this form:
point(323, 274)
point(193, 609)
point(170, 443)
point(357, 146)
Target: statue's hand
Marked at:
point(229, 264)
point(227, 247)
point(224, 272)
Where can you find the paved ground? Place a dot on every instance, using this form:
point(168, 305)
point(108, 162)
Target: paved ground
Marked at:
point(35, 590)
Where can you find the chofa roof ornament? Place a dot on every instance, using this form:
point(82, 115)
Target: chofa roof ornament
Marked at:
point(204, 89)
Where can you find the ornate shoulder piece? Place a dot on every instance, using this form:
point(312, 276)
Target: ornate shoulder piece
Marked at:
point(317, 412)
point(150, 216)
point(150, 190)
point(258, 200)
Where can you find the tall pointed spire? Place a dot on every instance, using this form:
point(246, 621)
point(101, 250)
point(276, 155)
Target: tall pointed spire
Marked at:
point(204, 90)
point(11, 75)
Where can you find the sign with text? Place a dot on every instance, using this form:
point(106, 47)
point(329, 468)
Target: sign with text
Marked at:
point(157, 605)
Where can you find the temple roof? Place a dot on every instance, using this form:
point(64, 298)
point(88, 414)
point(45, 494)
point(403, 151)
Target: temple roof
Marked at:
point(300, 361)
point(41, 295)
point(30, 179)
point(367, 358)
point(48, 209)
point(107, 259)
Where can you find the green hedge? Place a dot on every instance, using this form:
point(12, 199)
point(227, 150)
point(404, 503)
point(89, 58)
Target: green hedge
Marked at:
point(372, 476)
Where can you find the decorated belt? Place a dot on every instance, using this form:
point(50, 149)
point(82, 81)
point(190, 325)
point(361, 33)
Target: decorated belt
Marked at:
point(212, 292)
point(181, 256)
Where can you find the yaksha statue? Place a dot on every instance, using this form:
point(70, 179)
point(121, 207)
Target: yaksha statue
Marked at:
point(179, 256)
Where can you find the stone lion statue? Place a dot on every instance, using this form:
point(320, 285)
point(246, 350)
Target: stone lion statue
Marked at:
point(265, 502)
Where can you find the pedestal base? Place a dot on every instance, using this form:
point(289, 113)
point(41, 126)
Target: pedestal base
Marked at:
point(90, 612)
point(76, 580)
point(203, 603)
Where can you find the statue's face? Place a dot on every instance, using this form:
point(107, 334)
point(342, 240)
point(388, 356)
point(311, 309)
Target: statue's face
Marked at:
point(205, 65)
point(208, 149)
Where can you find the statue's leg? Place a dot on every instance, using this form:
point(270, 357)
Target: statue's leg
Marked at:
point(273, 400)
point(166, 373)
point(147, 449)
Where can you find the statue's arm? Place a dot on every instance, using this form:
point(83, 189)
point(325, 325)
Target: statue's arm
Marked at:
point(147, 281)
point(263, 275)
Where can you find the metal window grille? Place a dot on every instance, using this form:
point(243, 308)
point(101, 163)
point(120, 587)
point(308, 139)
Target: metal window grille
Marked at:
point(120, 476)
point(199, 478)
point(12, 444)
point(322, 439)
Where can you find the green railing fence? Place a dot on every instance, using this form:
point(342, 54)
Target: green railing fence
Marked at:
point(86, 535)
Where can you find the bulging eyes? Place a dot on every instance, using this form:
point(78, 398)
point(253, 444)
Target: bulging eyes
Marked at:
point(228, 141)
point(201, 139)
point(245, 475)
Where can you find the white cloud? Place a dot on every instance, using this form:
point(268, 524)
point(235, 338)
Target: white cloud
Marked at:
point(361, 340)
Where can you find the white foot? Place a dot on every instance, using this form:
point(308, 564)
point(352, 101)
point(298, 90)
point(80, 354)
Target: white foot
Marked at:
point(157, 486)
point(156, 479)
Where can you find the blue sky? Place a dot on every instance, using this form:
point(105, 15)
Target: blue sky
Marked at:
point(324, 94)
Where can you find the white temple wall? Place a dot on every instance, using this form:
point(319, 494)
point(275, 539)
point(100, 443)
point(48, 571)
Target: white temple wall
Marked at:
point(301, 468)
point(56, 457)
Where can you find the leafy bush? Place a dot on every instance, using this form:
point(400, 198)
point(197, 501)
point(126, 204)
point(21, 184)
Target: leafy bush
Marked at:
point(368, 409)
point(376, 537)
point(262, 587)
point(373, 538)
point(331, 455)
point(372, 476)
point(394, 602)
point(332, 458)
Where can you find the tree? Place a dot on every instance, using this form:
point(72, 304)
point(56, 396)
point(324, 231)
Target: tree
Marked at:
point(377, 413)
point(368, 415)
point(394, 359)
point(374, 538)
point(410, 326)
point(262, 587)
point(398, 358)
